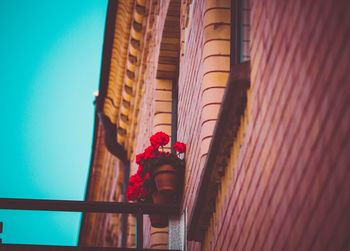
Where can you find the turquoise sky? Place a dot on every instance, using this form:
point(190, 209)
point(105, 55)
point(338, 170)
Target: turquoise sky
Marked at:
point(50, 56)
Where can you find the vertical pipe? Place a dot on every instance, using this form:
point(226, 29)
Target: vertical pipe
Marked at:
point(174, 104)
point(124, 217)
point(1, 224)
point(233, 32)
point(240, 31)
point(139, 230)
point(236, 16)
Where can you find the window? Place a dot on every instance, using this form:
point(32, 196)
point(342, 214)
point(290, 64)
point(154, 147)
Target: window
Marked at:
point(240, 31)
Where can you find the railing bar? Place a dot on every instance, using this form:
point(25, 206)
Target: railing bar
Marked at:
point(86, 206)
point(25, 247)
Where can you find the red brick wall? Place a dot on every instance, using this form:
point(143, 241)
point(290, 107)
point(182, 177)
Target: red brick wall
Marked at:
point(204, 68)
point(290, 189)
point(189, 106)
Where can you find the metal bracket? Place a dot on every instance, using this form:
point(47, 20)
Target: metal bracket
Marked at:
point(178, 231)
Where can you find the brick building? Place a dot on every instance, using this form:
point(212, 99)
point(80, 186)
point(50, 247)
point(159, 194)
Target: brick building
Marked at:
point(259, 91)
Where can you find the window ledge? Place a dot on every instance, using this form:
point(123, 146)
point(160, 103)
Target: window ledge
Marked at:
point(232, 108)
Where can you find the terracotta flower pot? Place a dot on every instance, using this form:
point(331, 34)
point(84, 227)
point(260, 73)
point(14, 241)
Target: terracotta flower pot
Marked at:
point(166, 178)
point(158, 220)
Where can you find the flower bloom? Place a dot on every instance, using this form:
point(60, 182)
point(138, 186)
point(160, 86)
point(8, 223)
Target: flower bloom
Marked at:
point(136, 192)
point(149, 153)
point(132, 193)
point(135, 179)
point(180, 147)
point(139, 158)
point(159, 139)
point(136, 189)
point(139, 170)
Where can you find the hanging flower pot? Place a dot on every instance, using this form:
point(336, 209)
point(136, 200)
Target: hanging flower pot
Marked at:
point(159, 176)
point(159, 220)
point(166, 178)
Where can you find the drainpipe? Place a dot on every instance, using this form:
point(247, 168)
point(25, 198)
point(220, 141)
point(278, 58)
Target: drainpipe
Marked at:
point(110, 138)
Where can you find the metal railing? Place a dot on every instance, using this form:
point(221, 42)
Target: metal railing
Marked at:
point(138, 209)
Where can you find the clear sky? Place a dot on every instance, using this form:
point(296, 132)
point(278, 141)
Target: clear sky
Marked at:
point(50, 57)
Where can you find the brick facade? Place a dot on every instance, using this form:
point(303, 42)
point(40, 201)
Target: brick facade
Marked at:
point(288, 189)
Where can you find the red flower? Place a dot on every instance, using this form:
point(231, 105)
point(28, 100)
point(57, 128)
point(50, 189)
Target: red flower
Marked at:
point(139, 158)
point(134, 193)
point(159, 139)
point(131, 193)
point(135, 179)
point(139, 170)
point(136, 190)
point(150, 152)
point(180, 147)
